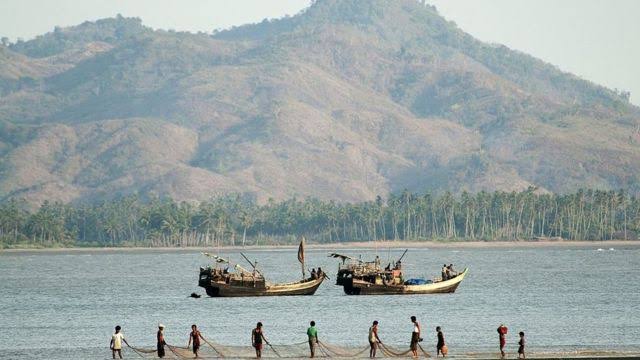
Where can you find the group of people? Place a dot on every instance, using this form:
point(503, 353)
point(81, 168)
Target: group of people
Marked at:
point(317, 274)
point(258, 340)
point(502, 335)
point(441, 347)
point(118, 338)
point(448, 272)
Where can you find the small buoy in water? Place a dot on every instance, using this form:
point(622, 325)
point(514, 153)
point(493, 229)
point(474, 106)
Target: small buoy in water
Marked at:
point(611, 249)
point(600, 249)
point(195, 296)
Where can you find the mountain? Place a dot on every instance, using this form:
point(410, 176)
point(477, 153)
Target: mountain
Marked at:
point(346, 100)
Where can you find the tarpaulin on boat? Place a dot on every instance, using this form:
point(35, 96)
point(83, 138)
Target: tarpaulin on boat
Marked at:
point(417, 282)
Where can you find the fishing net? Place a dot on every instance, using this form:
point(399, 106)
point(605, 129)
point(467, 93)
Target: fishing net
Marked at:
point(210, 350)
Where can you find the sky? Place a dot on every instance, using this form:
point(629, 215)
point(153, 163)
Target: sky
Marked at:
point(598, 40)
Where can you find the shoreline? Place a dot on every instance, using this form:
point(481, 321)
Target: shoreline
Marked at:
point(92, 352)
point(356, 245)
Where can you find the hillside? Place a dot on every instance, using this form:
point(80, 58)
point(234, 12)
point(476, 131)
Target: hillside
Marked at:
point(346, 100)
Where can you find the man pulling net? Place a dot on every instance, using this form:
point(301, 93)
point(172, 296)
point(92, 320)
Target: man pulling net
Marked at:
point(200, 347)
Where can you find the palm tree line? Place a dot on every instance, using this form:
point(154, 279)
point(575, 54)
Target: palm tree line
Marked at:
point(238, 220)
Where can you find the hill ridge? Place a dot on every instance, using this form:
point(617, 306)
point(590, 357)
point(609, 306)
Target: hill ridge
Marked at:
point(345, 100)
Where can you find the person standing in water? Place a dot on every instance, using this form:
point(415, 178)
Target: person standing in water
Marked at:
point(521, 346)
point(160, 343)
point(415, 336)
point(257, 337)
point(195, 336)
point(440, 346)
point(502, 334)
point(374, 340)
point(116, 343)
point(312, 334)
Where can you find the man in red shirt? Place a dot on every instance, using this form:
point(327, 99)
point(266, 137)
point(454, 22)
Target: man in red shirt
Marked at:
point(195, 336)
point(502, 333)
point(161, 342)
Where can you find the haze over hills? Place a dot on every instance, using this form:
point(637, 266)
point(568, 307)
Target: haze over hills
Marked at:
point(346, 100)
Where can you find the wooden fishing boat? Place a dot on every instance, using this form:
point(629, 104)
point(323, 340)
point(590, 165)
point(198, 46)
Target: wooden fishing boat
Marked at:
point(242, 283)
point(234, 281)
point(362, 287)
point(368, 278)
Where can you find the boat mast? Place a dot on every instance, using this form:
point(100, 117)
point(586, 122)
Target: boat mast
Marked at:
point(254, 265)
point(220, 259)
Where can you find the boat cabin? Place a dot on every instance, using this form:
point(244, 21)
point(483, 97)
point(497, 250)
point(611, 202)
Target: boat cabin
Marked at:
point(217, 276)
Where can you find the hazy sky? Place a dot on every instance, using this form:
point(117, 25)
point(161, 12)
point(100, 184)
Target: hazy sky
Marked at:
point(595, 39)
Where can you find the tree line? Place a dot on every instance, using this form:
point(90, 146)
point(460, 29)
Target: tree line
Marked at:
point(238, 220)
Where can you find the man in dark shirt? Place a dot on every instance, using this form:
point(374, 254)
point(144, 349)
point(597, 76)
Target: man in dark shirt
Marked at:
point(440, 345)
point(521, 344)
point(257, 337)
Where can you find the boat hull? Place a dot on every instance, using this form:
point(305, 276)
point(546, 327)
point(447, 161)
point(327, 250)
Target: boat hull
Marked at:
point(217, 289)
point(359, 287)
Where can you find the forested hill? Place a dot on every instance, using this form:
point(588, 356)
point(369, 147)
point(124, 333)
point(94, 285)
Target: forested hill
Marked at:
point(345, 101)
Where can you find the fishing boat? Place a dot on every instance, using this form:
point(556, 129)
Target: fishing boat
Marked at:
point(224, 279)
point(358, 277)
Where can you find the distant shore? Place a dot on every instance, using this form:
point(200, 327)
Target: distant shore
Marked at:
point(360, 245)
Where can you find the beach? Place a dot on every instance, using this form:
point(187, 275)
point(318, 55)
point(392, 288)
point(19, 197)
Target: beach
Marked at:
point(382, 244)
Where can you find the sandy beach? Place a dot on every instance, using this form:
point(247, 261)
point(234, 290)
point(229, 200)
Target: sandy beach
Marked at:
point(600, 355)
point(362, 245)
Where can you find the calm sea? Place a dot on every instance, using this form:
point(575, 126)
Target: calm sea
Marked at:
point(65, 304)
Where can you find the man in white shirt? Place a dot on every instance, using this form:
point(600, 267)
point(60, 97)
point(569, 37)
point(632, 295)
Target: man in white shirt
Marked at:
point(116, 343)
point(415, 336)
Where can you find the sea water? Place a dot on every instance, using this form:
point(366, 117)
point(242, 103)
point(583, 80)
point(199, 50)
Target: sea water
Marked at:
point(65, 304)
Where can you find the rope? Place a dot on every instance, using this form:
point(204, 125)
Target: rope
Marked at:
point(296, 344)
point(175, 353)
point(326, 349)
point(426, 354)
point(361, 351)
point(139, 351)
point(390, 352)
point(274, 350)
point(336, 350)
point(322, 349)
point(342, 354)
point(210, 344)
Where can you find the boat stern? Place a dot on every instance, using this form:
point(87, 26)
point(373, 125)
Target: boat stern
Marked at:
point(205, 277)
